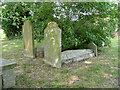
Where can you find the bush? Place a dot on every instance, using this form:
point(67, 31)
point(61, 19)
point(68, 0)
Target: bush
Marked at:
point(13, 16)
point(96, 26)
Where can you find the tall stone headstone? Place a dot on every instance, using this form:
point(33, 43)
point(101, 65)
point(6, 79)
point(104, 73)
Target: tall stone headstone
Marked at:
point(28, 39)
point(52, 45)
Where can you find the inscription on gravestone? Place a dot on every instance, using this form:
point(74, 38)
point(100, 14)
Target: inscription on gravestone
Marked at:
point(52, 45)
point(28, 39)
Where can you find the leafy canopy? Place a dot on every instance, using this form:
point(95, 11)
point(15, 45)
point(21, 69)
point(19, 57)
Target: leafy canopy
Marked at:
point(80, 22)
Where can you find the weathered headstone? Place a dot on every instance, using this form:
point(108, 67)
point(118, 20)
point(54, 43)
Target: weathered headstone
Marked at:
point(28, 39)
point(7, 76)
point(93, 47)
point(52, 45)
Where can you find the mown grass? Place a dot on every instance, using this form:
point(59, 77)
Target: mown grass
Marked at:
point(97, 72)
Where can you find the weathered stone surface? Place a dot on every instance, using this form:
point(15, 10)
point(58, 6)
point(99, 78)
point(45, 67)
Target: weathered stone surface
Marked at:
point(28, 39)
point(93, 47)
point(70, 56)
point(8, 76)
point(39, 52)
point(7, 63)
point(52, 45)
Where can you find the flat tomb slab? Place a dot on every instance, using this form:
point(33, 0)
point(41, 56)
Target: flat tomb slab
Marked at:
point(70, 56)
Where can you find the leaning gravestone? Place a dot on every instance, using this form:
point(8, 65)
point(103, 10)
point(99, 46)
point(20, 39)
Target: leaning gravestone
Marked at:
point(28, 39)
point(93, 46)
point(52, 45)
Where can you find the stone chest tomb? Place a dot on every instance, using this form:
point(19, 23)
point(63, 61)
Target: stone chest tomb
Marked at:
point(7, 76)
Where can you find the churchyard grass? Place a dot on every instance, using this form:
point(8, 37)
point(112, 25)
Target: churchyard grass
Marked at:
point(96, 72)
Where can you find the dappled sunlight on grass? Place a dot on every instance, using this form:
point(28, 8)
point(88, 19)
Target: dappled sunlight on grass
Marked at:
point(2, 36)
point(73, 79)
point(4, 45)
point(88, 62)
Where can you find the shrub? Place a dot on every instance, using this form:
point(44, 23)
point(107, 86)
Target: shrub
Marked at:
point(13, 15)
point(95, 21)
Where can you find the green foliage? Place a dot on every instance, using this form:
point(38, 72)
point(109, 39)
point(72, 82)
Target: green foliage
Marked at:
point(96, 21)
point(43, 14)
point(13, 15)
point(98, 26)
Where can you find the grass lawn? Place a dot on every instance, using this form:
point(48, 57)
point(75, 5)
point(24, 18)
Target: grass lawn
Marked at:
point(97, 72)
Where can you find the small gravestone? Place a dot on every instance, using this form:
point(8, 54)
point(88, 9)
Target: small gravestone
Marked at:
point(39, 52)
point(7, 76)
point(52, 45)
point(93, 46)
point(28, 39)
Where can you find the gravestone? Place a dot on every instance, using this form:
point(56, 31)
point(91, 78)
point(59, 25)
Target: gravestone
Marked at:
point(7, 76)
point(52, 45)
point(93, 46)
point(28, 39)
point(39, 52)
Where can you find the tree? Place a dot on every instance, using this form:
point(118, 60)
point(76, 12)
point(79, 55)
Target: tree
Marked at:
point(95, 21)
point(13, 16)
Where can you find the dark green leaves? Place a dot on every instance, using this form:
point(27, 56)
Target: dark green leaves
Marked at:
point(96, 20)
